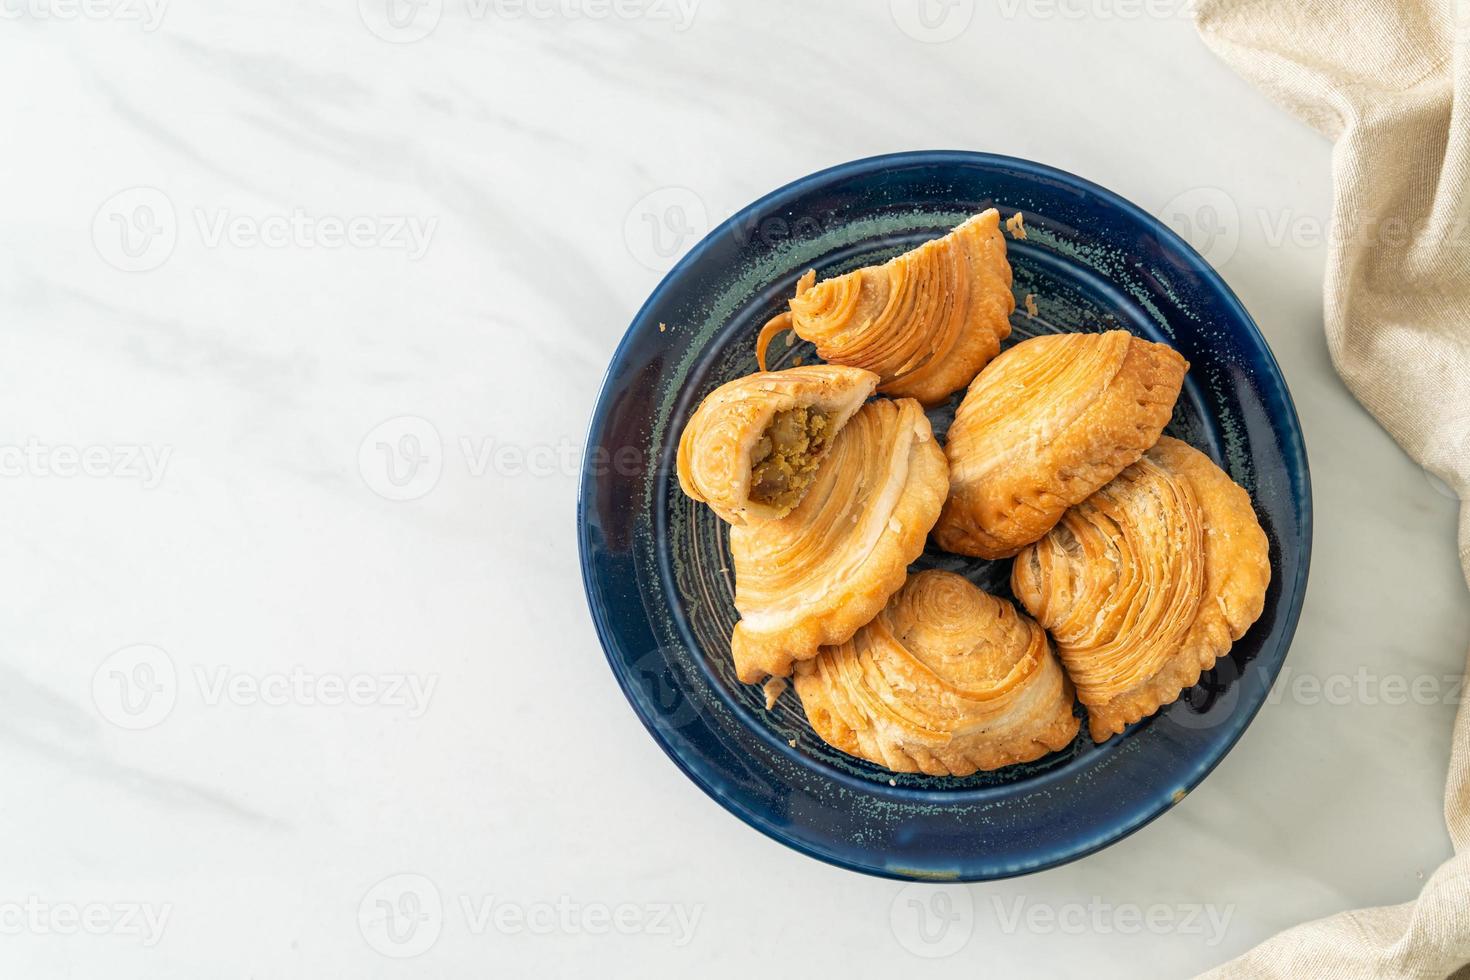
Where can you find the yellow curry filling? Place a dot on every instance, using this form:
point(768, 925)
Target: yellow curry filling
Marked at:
point(785, 459)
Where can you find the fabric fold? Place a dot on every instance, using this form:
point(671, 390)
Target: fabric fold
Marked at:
point(1390, 85)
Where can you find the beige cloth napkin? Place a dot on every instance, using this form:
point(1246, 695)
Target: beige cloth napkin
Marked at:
point(1389, 83)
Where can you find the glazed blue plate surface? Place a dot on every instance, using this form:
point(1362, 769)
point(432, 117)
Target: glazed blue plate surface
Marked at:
point(656, 566)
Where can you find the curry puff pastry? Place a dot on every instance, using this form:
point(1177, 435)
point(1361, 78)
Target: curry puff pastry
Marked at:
point(754, 445)
point(926, 321)
point(1147, 582)
point(946, 681)
point(1047, 423)
point(817, 575)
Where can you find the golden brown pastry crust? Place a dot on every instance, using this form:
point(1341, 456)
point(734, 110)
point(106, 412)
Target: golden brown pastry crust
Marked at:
point(815, 576)
point(1147, 582)
point(1047, 423)
point(946, 680)
point(715, 449)
point(926, 321)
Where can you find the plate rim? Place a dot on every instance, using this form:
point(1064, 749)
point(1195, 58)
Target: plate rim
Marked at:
point(1293, 450)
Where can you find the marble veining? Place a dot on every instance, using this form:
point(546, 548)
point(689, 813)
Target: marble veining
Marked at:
point(305, 310)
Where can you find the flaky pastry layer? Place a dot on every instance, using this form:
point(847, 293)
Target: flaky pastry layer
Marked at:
point(947, 680)
point(925, 321)
point(815, 576)
point(1147, 582)
point(1047, 423)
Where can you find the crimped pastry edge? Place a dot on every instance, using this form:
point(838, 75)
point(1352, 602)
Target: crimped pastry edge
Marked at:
point(1145, 379)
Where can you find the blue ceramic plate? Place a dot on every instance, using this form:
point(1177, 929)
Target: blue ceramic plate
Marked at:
point(657, 573)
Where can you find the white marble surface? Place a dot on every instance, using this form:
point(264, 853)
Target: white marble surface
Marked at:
point(183, 490)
